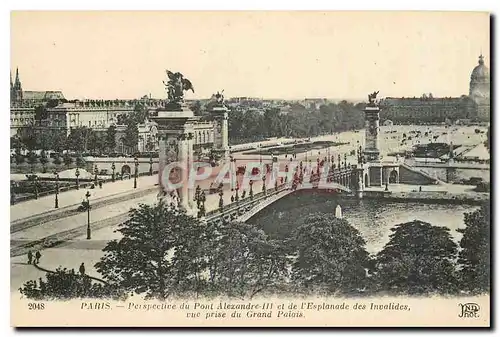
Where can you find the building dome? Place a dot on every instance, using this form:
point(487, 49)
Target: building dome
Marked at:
point(480, 72)
point(480, 82)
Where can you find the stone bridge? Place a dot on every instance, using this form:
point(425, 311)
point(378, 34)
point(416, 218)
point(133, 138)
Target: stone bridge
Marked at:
point(243, 210)
point(349, 179)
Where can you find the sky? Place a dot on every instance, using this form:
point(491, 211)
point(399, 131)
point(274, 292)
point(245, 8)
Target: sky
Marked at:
point(289, 55)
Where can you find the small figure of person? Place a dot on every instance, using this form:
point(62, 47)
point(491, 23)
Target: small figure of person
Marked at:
point(420, 188)
point(100, 183)
point(37, 257)
point(232, 198)
point(30, 257)
point(82, 269)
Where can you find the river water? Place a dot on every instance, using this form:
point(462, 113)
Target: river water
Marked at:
point(373, 218)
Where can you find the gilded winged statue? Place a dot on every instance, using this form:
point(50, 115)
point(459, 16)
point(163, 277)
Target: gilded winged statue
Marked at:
point(176, 85)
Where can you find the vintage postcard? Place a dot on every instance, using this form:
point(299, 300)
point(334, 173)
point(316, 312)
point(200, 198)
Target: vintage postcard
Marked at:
point(183, 169)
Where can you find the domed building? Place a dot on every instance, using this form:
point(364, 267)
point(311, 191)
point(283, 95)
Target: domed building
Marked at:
point(479, 89)
point(474, 107)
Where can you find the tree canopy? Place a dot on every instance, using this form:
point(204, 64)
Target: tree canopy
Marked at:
point(329, 255)
point(474, 258)
point(418, 259)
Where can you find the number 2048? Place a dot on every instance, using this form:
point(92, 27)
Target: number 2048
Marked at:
point(36, 306)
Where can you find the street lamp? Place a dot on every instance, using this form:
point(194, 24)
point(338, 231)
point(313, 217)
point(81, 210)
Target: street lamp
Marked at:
point(96, 171)
point(221, 201)
point(136, 164)
point(113, 168)
point(56, 205)
point(251, 190)
point(87, 195)
point(151, 164)
point(264, 183)
point(77, 174)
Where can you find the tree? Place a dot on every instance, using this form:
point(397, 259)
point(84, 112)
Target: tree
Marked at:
point(68, 160)
point(19, 157)
point(80, 162)
point(44, 140)
point(59, 141)
point(110, 141)
point(131, 137)
point(329, 255)
point(158, 254)
point(418, 259)
point(44, 160)
point(78, 138)
point(28, 137)
point(65, 284)
point(57, 159)
point(15, 143)
point(196, 108)
point(243, 262)
point(474, 258)
point(32, 158)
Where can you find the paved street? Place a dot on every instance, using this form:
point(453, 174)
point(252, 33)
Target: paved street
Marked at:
point(33, 207)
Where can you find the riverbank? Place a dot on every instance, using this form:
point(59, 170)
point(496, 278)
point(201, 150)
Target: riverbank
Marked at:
point(435, 196)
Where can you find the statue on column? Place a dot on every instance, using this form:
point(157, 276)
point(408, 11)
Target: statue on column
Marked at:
point(176, 85)
point(372, 97)
point(219, 98)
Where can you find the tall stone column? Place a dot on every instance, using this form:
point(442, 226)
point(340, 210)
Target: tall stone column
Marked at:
point(175, 134)
point(372, 119)
point(221, 134)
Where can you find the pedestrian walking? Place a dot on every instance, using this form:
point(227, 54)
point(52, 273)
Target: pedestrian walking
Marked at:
point(100, 183)
point(30, 257)
point(82, 269)
point(37, 257)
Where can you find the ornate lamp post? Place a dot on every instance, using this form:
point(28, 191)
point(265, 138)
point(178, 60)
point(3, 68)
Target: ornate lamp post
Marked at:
point(87, 195)
point(96, 171)
point(136, 164)
point(251, 190)
point(113, 168)
point(151, 164)
point(345, 159)
point(77, 174)
point(56, 203)
point(197, 196)
point(221, 201)
point(338, 157)
point(264, 183)
point(203, 198)
point(35, 181)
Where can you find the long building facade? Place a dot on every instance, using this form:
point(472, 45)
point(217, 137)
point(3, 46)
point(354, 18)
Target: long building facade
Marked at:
point(48, 111)
point(427, 109)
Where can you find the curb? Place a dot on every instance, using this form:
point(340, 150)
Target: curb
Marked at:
point(53, 272)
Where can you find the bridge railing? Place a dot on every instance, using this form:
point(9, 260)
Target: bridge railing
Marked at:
point(262, 196)
point(247, 201)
